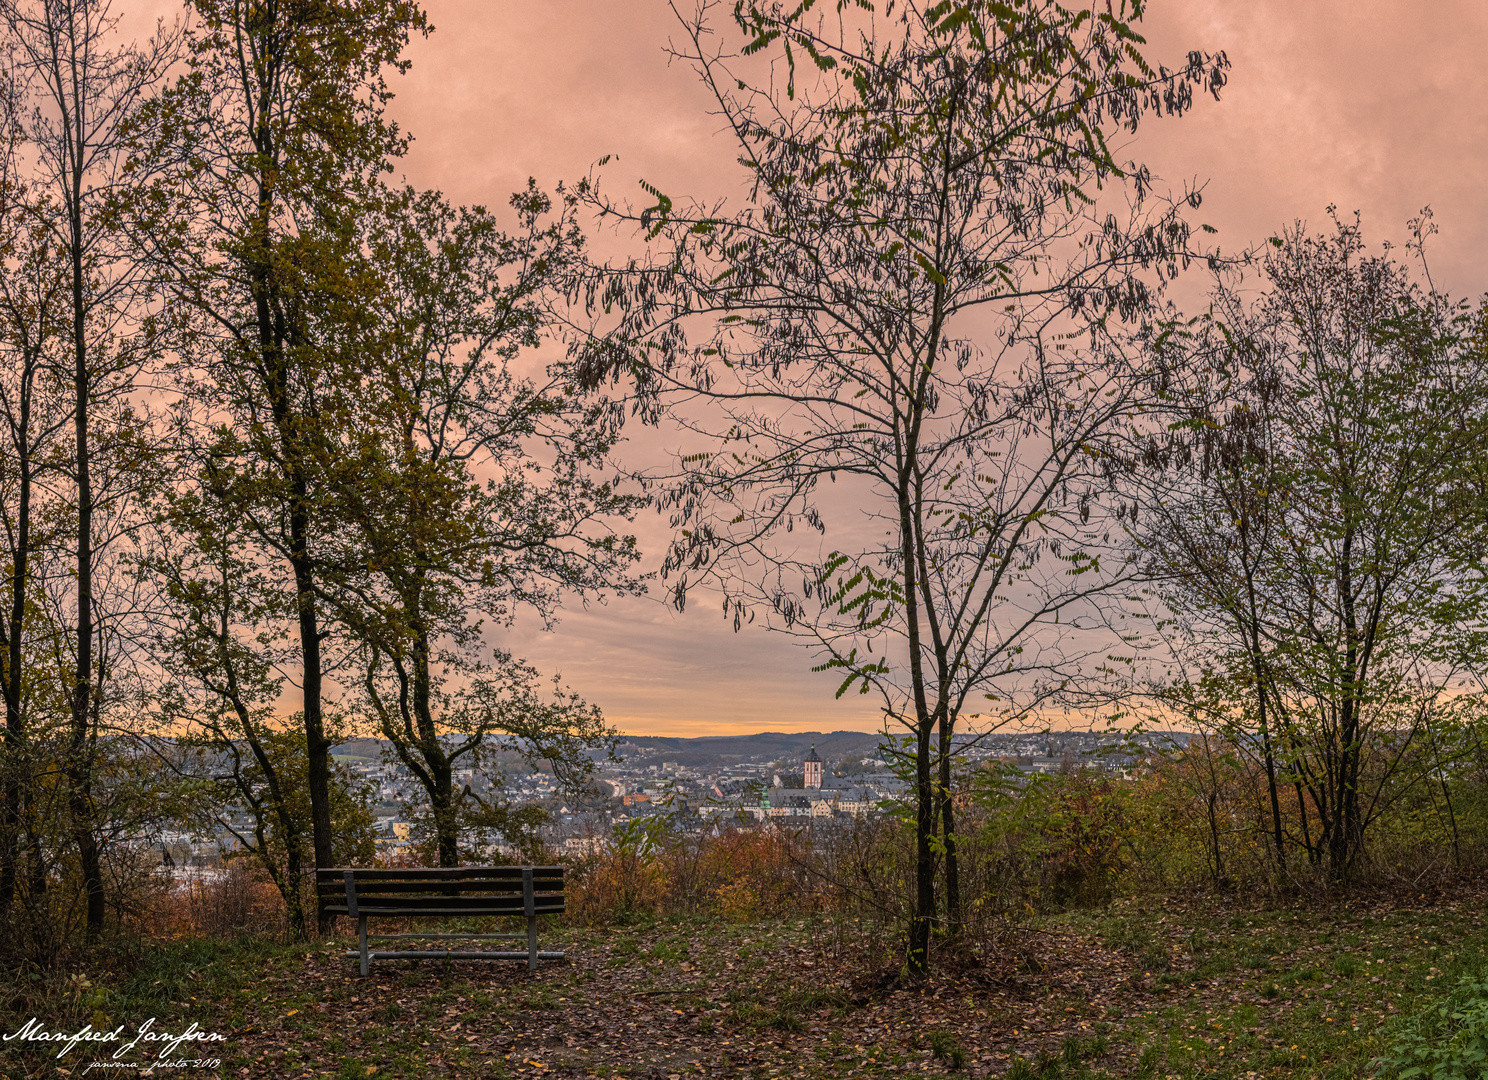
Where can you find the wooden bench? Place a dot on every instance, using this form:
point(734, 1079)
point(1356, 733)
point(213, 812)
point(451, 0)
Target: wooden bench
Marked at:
point(460, 891)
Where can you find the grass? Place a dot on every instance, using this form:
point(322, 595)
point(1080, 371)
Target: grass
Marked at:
point(1199, 991)
point(1295, 993)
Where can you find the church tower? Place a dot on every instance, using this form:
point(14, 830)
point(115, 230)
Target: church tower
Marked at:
point(813, 769)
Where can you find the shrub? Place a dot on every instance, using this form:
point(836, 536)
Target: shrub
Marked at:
point(1449, 1041)
point(1067, 835)
point(742, 874)
point(625, 877)
point(748, 873)
point(236, 898)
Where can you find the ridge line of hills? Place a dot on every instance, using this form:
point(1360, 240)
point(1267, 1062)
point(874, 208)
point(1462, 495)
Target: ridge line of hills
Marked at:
point(781, 746)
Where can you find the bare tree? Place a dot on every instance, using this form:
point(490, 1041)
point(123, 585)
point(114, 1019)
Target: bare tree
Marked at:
point(917, 300)
point(81, 88)
point(36, 413)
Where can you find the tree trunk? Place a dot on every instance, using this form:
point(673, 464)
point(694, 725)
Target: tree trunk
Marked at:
point(924, 909)
point(1266, 745)
point(1276, 834)
point(924, 901)
point(446, 827)
point(293, 891)
point(1441, 774)
point(317, 746)
point(15, 732)
point(1312, 854)
point(1346, 797)
point(275, 335)
point(80, 759)
point(1345, 837)
point(948, 831)
point(275, 365)
point(1452, 821)
point(10, 822)
point(1252, 633)
point(441, 774)
point(38, 867)
point(1214, 840)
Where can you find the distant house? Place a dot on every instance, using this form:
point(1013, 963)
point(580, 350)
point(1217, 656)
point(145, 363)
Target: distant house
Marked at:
point(856, 802)
point(821, 795)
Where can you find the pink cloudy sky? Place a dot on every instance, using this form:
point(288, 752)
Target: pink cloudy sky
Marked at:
point(1375, 105)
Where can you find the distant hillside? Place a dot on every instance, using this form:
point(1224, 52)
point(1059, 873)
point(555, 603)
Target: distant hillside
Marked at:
point(763, 746)
point(710, 750)
point(713, 751)
point(360, 749)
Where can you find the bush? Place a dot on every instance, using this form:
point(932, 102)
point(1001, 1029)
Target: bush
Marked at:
point(747, 873)
point(237, 898)
point(1065, 836)
point(626, 877)
point(1447, 1042)
point(741, 874)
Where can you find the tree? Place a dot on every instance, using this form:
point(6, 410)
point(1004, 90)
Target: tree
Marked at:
point(263, 153)
point(495, 710)
point(80, 91)
point(1306, 517)
point(267, 788)
point(471, 492)
point(217, 637)
point(901, 305)
point(33, 288)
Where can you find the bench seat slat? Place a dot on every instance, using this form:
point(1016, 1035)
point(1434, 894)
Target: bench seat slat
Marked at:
point(451, 888)
point(412, 902)
point(419, 905)
point(340, 909)
point(492, 873)
point(450, 914)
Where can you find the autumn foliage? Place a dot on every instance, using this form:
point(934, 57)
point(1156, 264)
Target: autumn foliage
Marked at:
point(235, 899)
point(742, 874)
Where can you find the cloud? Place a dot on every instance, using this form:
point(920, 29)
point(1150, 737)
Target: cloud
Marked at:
point(1376, 105)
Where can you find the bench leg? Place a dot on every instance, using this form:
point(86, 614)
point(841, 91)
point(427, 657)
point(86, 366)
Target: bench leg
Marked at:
point(362, 941)
point(532, 943)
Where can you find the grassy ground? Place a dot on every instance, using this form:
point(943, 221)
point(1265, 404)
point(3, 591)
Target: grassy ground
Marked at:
point(1203, 990)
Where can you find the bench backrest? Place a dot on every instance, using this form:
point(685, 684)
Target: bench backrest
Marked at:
point(457, 890)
